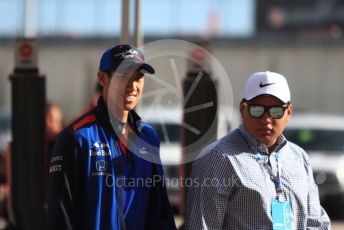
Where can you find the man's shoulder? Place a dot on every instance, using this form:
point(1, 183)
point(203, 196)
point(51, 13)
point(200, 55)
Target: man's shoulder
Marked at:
point(229, 144)
point(224, 147)
point(80, 127)
point(86, 120)
point(83, 128)
point(293, 149)
point(145, 126)
point(293, 146)
point(147, 131)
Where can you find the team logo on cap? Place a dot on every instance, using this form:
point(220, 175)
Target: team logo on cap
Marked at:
point(131, 53)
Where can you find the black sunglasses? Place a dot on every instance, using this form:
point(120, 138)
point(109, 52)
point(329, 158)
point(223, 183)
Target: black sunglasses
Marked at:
point(275, 112)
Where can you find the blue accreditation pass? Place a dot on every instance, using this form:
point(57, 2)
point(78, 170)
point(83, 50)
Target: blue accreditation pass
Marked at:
point(281, 211)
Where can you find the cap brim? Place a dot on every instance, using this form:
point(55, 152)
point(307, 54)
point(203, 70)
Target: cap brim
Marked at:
point(146, 68)
point(133, 64)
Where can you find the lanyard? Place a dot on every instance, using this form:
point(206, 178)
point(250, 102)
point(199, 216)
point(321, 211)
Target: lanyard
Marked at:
point(263, 161)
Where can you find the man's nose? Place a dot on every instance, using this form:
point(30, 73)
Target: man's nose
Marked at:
point(266, 118)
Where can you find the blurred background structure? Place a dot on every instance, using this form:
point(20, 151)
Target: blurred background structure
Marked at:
point(302, 39)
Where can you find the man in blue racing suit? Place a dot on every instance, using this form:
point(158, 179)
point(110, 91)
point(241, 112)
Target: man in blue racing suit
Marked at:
point(105, 171)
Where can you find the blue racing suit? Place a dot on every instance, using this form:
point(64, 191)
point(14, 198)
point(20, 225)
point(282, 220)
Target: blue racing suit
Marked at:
point(97, 183)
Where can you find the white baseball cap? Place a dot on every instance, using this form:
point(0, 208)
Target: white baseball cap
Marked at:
point(267, 83)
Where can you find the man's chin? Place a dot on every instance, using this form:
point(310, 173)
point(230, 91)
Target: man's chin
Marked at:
point(267, 139)
point(128, 107)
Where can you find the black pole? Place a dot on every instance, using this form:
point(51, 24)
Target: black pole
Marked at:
point(27, 149)
point(200, 119)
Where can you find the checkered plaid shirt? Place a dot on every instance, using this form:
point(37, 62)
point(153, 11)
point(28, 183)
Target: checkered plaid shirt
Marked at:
point(231, 190)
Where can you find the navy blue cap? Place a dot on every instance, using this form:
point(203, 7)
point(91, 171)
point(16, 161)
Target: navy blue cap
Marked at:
point(122, 57)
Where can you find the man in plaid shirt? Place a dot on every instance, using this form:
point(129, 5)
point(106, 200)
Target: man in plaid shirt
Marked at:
point(254, 178)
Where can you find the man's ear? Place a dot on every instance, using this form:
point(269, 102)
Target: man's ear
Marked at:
point(242, 106)
point(290, 111)
point(102, 78)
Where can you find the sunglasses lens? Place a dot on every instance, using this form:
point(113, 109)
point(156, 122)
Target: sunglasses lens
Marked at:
point(256, 110)
point(276, 112)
